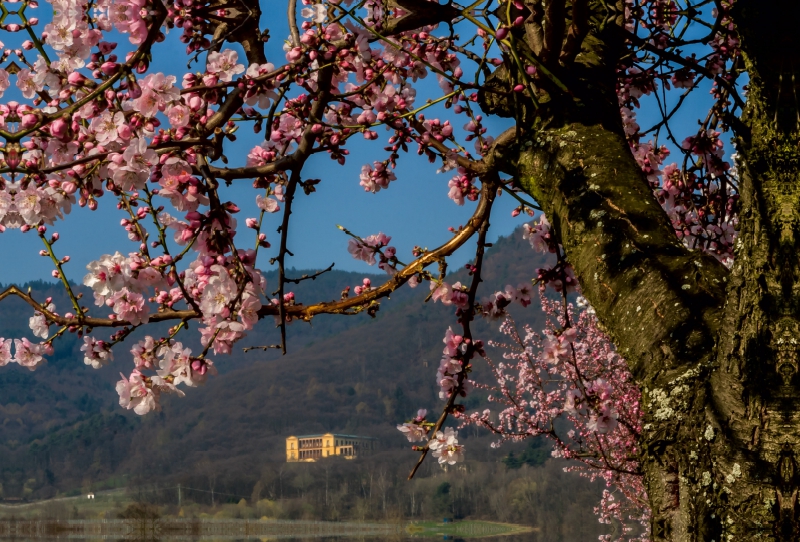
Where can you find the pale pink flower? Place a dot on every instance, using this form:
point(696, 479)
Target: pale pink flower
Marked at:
point(176, 361)
point(107, 275)
point(413, 432)
point(28, 354)
point(149, 103)
point(144, 353)
point(523, 294)
point(136, 395)
point(179, 115)
point(227, 333)
point(572, 401)
point(447, 386)
point(555, 350)
point(223, 64)
point(4, 82)
point(361, 251)
point(375, 177)
point(129, 306)
point(454, 344)
point(218, 293)
point(603, 422)
point(128, 178)
point(5, 351)
point(248, 311)
point(105, 126)
point(39, 324)
point(449, 366)
point(538, 235)
point(365, 249)
point(138, 156)
point(96, 352)
point(445, 447)
point(266, 204)
point(442, 292)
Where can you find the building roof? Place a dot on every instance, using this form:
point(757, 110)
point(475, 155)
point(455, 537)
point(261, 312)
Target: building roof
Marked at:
point(338, 435)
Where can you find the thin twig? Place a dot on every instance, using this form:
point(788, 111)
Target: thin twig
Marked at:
point(310, 277)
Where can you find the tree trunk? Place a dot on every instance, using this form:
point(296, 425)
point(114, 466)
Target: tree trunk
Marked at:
point(714, 351)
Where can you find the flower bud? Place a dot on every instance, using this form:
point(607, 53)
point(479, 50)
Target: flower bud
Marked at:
point(109, 68)
point(28, 121)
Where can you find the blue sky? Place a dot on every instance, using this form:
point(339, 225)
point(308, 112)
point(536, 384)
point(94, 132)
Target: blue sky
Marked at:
point(414, 210)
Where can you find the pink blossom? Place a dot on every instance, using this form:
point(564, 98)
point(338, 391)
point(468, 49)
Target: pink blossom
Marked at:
point(144, 353)
point(179, 115)
point(135, 394)
point(461, 187)
point(366, 249)
point(4, 82)
point(538, 235)
point(555, 350)
point(39, 323)
point(604, 421)
point(248, 310)
point(572, 401)
point(454, 344)
point(5, 351)
point(177, 362)
point(223, 64)
point(445, 447)
point(413, 432)
point(217, 295)
point(97, 353)
point(107, 275)
point(267, 205)
point(566, 373)
point(28, 354)
point(27, 84)
point(442, 292)
point(375, 177)
point(105, 127)
point(129, 306)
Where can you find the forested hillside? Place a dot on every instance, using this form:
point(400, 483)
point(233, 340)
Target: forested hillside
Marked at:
point(62, 429)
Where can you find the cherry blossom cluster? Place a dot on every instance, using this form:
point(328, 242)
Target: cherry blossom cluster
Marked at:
point(26, 354)
point(443, 445)
point(700, 198)
point(560, 276)
point(372, 247)
point(462, 187)
point(451, 376)
point(570, 371)
point(101, 127)
point(173, 365)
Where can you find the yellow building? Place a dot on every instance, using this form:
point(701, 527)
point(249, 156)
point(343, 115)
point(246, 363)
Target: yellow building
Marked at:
point(314, 447)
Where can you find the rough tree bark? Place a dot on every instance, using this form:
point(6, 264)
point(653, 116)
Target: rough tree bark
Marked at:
point(715, 351)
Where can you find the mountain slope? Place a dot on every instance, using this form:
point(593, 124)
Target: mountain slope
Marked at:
point(62, 430)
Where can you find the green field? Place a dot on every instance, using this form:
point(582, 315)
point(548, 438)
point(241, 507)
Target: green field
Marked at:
point(107, 503)
point(465, 529)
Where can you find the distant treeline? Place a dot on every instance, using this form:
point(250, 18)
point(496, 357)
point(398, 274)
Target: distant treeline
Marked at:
point(559, 504)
